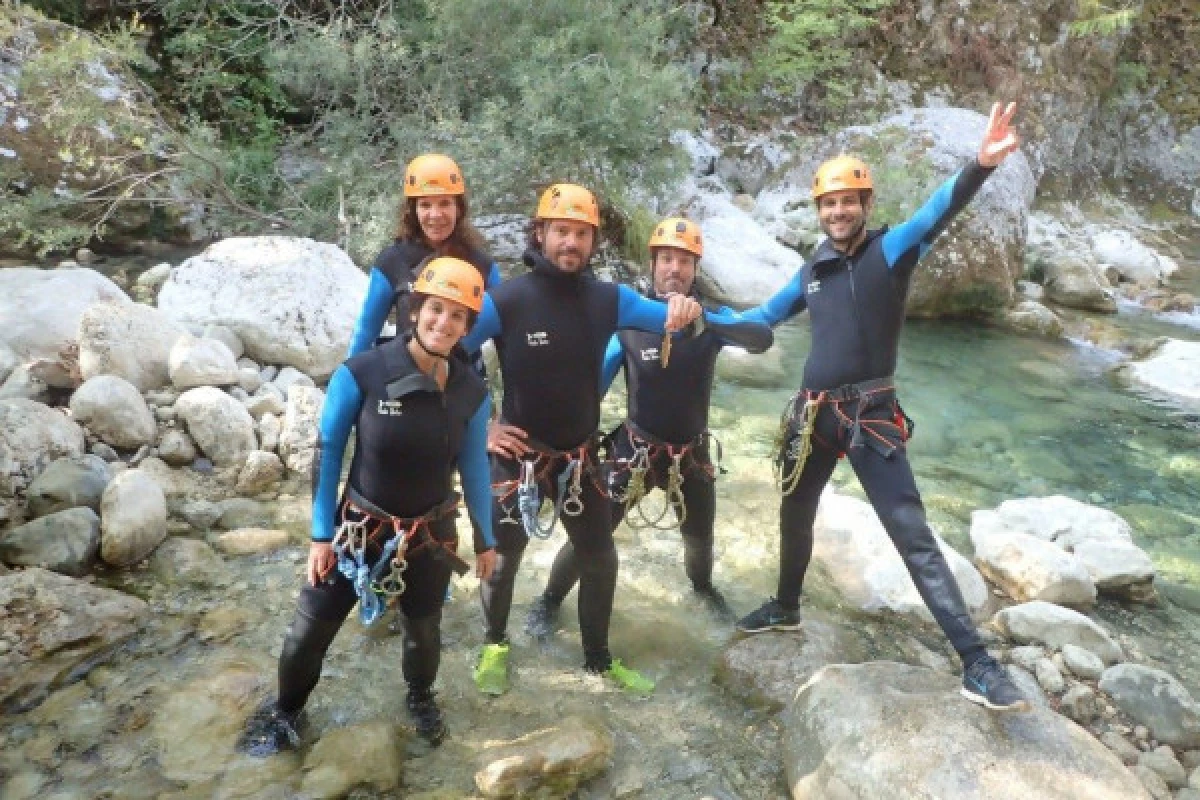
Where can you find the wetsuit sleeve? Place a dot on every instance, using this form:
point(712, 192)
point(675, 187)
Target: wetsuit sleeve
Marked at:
point(476, 478)
point(644, 314)
point(733, 328)
point(343, 401)
point(784, 304)
point(614, 356)
point(493, 277)
point(376, 306)
point(486, 327)
point(907, 243)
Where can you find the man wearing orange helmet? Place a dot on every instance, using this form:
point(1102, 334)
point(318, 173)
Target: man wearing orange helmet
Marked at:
point(664, 441)
point(551, 327)
point(432, 220)
point(854, 288)
point(421, 414)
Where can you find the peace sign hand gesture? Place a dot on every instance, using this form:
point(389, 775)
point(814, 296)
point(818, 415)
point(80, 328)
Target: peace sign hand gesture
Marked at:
point(1000, 139)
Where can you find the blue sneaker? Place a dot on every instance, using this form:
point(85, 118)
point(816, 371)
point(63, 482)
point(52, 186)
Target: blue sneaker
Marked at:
point(987, 683)
point(771, 616)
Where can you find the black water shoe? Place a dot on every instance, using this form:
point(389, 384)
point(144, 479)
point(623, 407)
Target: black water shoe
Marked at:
point(987, 683)
point(771, 616)
point(269, 731)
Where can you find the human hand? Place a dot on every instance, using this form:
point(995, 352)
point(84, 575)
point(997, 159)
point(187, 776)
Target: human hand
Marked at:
point(999, 140)
point(485, 564)
point(321, 561)
point(506, 440)
point(681, 311)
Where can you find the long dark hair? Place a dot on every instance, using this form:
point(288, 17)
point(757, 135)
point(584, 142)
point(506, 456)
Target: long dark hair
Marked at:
point(464, 241)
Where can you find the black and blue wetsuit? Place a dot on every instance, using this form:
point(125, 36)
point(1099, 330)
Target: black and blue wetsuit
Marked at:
point(388, 287)
point(551, 329)
point(666, 406)
point(411, 438)
point(855, 303)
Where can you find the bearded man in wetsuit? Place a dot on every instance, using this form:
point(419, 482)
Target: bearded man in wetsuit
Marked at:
point(854, 288)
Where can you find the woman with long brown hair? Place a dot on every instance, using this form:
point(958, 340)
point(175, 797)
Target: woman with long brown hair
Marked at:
point(432, 221)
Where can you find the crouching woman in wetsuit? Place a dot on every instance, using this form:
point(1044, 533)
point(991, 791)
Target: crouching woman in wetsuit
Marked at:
point(420, 413)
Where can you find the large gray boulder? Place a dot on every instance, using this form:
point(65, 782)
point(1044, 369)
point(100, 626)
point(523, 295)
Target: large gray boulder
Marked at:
point(133, 517)
point(129, 340)
point(112, 408)
point(290, 300)
point(1172, 370)
point(1028, 568)
point(69, 483)
point(31, 436)
point(201, 362)
point(1155, 699)
point(1054, 626)
point(890, 730)
point(220, 426)
point(60, 629)
point(65, 541)
point(41, 310)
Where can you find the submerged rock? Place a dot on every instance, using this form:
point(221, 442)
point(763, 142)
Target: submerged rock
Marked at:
point(66, 541)
point(553, 761)
point(1156, 700)
point(371, 754)
point(69, 483)
point(890, 730)
point(60, 628)
point(250, 541)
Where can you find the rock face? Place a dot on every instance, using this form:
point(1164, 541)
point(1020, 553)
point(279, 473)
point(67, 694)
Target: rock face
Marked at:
point(62, 628)
point(201, 362)
point(69, 483)
point(129, 340)
point(113, 409)
point(290, 301)
point(301, 421)
point(1155, 699)
point(1055, 626)
point(41, 310)
point(365, 755)
point(889, 730)
point(31, 436)
point(220, 426)
point(134, 518)
point(65, 541)
point(555, 760)
point(852, 548)
point(1174, 370)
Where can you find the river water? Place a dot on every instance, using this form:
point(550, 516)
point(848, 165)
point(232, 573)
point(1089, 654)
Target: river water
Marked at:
point(998, 416)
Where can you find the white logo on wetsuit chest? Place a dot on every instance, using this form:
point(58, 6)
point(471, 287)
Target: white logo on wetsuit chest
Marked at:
point(813, 287)
point(650, 354)
point(391, 408)
point(537, 339)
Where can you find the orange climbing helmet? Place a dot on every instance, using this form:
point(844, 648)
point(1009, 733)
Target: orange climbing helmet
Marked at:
point(569, 201)
point(843, 172)
point(452, 279)
point(433, 174)
point(680, 233)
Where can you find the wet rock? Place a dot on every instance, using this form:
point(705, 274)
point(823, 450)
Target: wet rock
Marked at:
point(854, 551)
point(133, 514)
point(220, 425)
point(1152, 782)
point(1156, 700)
point(197, 725)
point(1174, 370)
point(201, 362)
point(1079, 704)
point(1027, 568)
point(263, 471)
point(187, 561)
point(69, 483)
point(226, 337)
point(251, 541)
point(31, 437)
point(1074, 283)
point(61, 628)
point(112, 408)
point(241, 512)
point(1162, 760)
point(552, 761)
point(298, 437)
point(129, 340)
point(889, 730)
point(1048, 676)
point(1133, 260)
point(65, 541)
point(767, 670)
point(290, 300)
point(42, 309)
point(371, 754)
point(1082, 663)
point(1055, 626)
point(101, 450)
point(269, 428)
point(177, 449)
point(1125, 751)
point(1028, 316)
point(200, 514)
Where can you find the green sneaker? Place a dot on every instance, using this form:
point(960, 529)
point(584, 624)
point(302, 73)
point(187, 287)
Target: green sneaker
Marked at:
point(628, 679)
point(491, 674)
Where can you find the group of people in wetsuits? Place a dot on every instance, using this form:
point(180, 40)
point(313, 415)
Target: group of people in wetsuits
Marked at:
point(422, 412)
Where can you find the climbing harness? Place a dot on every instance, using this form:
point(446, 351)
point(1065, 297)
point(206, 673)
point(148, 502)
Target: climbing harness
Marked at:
point(794, 448)
point(648, 449)
point(566, 468)
point(364, 524)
